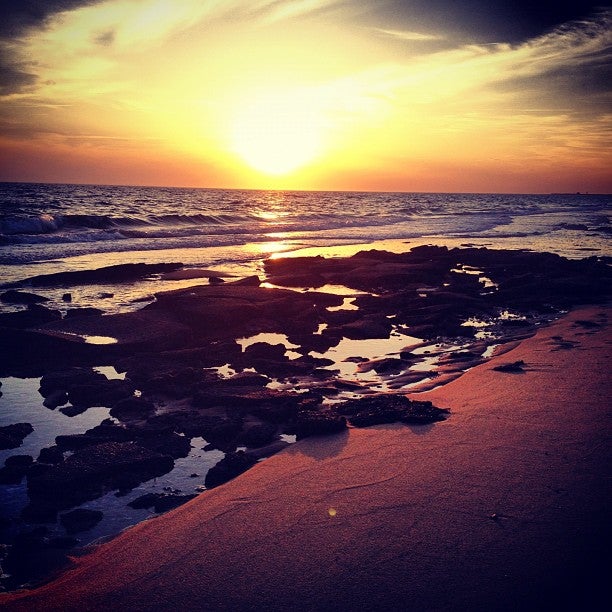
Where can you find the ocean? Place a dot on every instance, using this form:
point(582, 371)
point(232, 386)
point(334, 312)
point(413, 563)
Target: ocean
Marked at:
point(46, 228)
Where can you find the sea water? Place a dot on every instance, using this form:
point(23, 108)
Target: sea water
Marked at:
point(47, 228)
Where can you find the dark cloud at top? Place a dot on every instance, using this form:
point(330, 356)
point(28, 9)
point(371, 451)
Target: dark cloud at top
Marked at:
point(478, 21)
point(16, 16)
point(483, 20)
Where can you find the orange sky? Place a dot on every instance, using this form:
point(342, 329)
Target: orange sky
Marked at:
point(303, 94)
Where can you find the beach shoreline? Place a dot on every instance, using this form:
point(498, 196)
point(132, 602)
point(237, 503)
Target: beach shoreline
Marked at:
point(501, 506)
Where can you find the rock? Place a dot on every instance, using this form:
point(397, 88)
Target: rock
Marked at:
point(247, 281)
point(263, 350)
point(39, 512)
point(389, 408)
point(34, 316)
point(166, 443)
point(106, 275)
point(366, 328)
point(15, 468)
point(90, 471)
point(215, 280)
point(258, 435)
point(80, 519)
point(63, 542)
point(88, 311)
point(387, 365)
point(266, 404)
point(232, 465)
point(55, 398)
point(31, 558)
point(66, 379)
point(317, 424)
point(21, 297)
point(103, 393)
point(160, 502)
point(587, 324)
point(132, 407)
point(72, 411)
point(51, 454)
point(22, 461)
point(67, 297)
point(176, 375)
point(144, 501)
point(514, 367)
point(12, 436)
point(244, 379)
point(159, 438)
point(217, 430)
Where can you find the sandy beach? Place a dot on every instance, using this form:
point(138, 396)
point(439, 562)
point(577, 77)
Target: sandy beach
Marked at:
point(503, 506)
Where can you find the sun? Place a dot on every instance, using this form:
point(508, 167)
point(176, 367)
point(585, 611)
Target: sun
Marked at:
point(278, 134)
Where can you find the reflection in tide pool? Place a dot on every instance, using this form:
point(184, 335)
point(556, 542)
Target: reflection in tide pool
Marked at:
point(99, 340)
point(22, 403)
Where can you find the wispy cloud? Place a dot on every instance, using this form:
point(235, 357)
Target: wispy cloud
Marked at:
point(409, 36)
point(563, 52)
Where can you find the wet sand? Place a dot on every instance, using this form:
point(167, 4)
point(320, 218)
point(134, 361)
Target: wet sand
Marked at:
point(501, 506)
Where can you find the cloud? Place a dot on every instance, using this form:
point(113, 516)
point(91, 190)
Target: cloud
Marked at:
point(575, 50)
point(480, 20)
point(20, 15)
point(13, 78)
point(105, 39)
point(17, 18)
point(409, 36)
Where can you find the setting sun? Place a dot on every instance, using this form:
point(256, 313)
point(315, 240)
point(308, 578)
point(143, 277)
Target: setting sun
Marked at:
point(277, 134)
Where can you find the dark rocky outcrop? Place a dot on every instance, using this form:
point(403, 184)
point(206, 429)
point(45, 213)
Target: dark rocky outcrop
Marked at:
point(66, 379)
point(15, 468)
point(55, 398)
point(389, 408)
point(102, 393)
point(120, 273)
point(258, 435)
point(34, 315)
point(51, 454)
point(12, 436)
point(132, 407)
point(21, 297)
point(89, 311)
point(513, 367)
point(316, 423)
point(91, 470)
point(33, 557)
point(232, 465)
point(80, 519)
point(160, 502)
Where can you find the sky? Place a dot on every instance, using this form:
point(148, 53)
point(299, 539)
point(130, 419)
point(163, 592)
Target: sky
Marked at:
point(413, 95)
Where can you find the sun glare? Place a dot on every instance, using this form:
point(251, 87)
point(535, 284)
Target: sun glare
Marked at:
point(277, 135)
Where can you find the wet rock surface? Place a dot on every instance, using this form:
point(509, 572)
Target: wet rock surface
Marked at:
point(92, 470)
point(232, 465)
point(15, 469)
point(80, 519)
point(160, 502)
point(12, 436)
point(22, 297)
point(513, 367)
point(109, 274)
point(389, 408)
